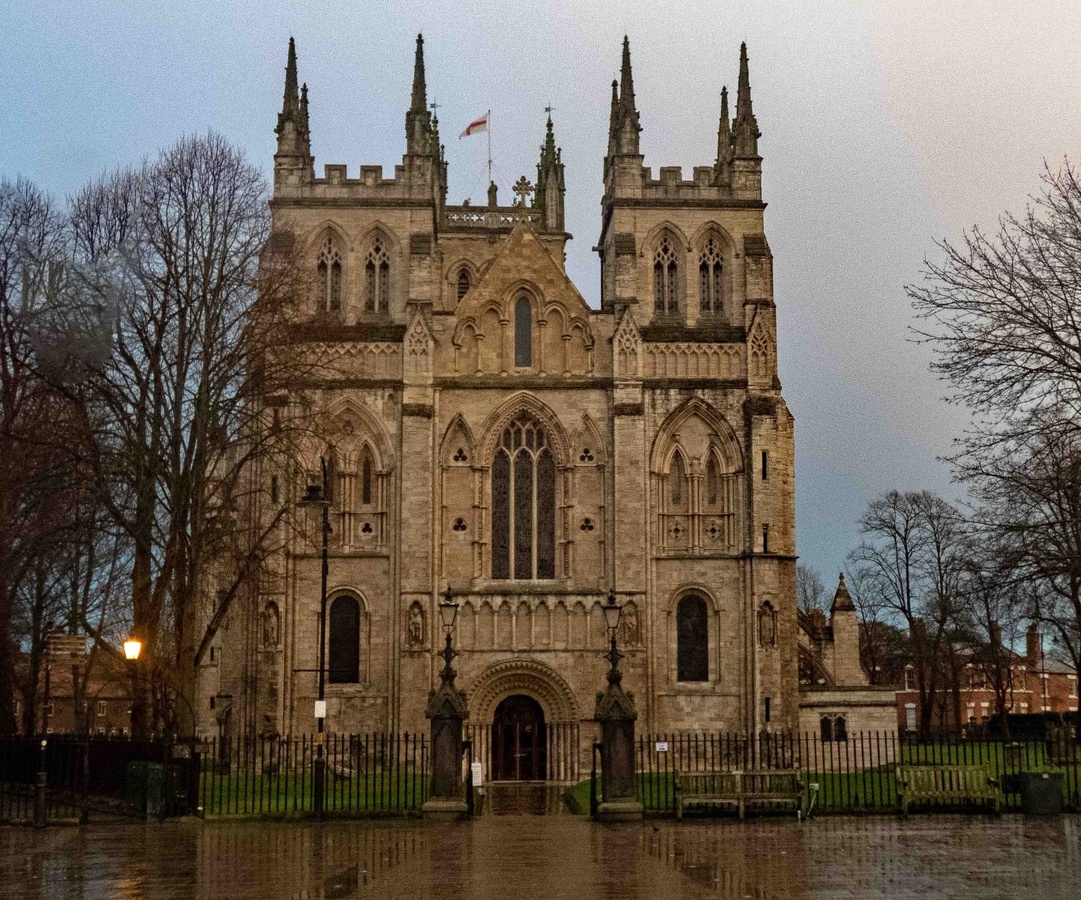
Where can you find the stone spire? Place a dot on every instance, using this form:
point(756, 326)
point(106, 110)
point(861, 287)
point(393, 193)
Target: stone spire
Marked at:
point(745, 126)
point(294, 142)
point(304, 110)
point(842, 600)
point(550, 187)
point(627, 127)
point(613, 119)
point(418, 120)
point(721, 168)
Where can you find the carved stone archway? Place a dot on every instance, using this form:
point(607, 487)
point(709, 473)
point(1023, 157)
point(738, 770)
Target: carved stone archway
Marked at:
point(521, 676)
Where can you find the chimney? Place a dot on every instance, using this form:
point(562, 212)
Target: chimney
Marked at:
point(1033, 649)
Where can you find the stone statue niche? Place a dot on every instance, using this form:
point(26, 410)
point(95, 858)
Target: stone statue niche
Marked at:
point(271, 626)
point(767, 625)
point(415, 626)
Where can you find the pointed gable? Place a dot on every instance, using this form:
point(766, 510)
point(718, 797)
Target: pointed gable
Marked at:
point(523, 285)
point(522, 261)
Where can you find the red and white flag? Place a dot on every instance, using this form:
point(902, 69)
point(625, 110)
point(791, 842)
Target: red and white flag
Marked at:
point(476, 126)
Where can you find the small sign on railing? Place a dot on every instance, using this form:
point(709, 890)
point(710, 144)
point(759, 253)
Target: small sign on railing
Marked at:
point(662, 746)
point(478, 774)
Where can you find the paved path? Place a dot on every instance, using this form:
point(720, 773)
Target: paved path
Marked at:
point(554, 858)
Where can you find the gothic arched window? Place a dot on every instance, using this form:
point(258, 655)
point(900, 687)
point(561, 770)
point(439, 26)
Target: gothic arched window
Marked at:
point(330, 276)
point(709, 278)
point(463, 282)
point(665, 270)
point(713, 480)
point(367, 475)
point(692, 640)
point(677, 477)
point(523, 333)
point(523, 503)
point(377, 278)
point(343, 657)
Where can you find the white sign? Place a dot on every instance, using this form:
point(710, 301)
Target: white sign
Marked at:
point(662, 746)
point(478, 773)
point(320, 709)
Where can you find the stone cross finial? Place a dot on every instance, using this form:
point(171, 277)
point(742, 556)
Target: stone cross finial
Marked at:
point(523, 189)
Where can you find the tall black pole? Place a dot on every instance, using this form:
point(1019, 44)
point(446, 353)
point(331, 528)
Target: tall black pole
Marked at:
point(320, 762)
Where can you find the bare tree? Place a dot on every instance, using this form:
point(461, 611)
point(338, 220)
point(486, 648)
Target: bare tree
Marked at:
point(909, 563)
point(811, 593)
point(33, 485)
point(179, 414)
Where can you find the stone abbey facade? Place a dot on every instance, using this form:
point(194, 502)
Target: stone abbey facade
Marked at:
point(489, 430)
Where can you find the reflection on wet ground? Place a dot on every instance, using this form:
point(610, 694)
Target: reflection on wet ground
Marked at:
point(550, 858)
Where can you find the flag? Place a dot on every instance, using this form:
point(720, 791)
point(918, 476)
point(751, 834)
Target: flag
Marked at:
point(476, 126)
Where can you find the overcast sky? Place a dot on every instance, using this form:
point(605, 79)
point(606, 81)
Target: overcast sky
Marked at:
point(885, 126)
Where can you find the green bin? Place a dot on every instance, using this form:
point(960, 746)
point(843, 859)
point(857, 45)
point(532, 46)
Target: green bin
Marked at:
point(1041, 793)
point(148, 789)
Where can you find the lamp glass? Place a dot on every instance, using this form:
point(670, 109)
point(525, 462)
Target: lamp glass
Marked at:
point(612, 613)
point(448, 611)
point(132, 649)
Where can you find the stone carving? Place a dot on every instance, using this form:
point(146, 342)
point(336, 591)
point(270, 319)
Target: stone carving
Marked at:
point(271, 626)
point(767, 626)
point(416, 627)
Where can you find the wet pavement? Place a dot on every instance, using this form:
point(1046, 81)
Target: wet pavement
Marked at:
point(555, 857)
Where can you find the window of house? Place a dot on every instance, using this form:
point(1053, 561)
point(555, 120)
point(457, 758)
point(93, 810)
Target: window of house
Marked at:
point(377, 278)
point(1072, 680)
point(692, 639)
point(344, 643)
point(985, 711)
point(910, 717)
point(910, 679)
point(463, 282)
point(523, 503)
point(101, 708)
point(970, 711)
point(709, 277)
point(523, 333)
point(329, 270)
point(665, 273)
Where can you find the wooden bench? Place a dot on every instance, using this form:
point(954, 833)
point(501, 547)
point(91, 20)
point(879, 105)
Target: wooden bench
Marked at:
point(759, 789)
point(948, 784)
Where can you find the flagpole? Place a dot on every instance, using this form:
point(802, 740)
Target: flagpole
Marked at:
point(489, 130)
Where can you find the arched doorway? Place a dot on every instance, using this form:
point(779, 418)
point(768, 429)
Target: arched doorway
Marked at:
point(519, 740)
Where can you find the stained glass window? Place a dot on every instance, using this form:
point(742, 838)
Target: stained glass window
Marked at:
point(330, 276)
point(377, 278)
point(665, 270)
point(709, 278)
point(523, 503)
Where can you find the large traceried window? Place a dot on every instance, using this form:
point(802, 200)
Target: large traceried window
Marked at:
point(523, 333)
point(692, 640)
point(665, 271)
point(377, 278)
point(329, 270)
point(343, 657)
point(523, 503)
point(709, 278)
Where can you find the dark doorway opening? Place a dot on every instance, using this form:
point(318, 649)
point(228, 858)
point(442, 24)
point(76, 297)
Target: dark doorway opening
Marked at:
point(519, 740)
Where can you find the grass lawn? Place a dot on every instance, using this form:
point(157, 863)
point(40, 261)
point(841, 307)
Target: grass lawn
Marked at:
point(288, 793)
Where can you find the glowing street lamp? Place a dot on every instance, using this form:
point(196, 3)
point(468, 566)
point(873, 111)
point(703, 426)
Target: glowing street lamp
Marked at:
point(132, 649)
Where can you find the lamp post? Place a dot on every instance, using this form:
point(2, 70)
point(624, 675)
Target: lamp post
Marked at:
point(616, 714)
point(132, 648)
point(317, 496)
point(447, 711)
